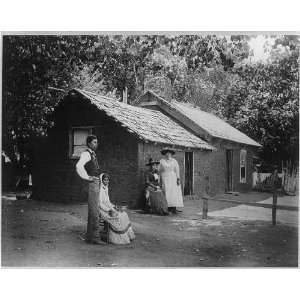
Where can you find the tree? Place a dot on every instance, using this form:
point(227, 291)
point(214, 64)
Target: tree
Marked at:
point(123, 62)
point(267, 102)
point(30, 65)
point(196, 68)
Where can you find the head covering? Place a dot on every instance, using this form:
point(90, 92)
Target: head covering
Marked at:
point(101, 178)
point(167, 149)
point(104, 202)
point(104, 175)
point(151, 162)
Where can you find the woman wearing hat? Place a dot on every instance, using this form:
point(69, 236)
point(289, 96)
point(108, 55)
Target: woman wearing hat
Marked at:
point(170, 180)
point(155, 198)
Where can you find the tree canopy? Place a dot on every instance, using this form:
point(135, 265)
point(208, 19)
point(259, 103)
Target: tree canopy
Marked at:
point(264, 101)
point(261, 99)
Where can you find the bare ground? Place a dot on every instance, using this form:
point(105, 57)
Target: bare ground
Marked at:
point(40, 234)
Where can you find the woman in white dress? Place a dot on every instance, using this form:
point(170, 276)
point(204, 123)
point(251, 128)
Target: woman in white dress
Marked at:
point(120, 229)
point(170, 180)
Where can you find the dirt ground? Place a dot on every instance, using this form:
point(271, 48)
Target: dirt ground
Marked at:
point(41, 234)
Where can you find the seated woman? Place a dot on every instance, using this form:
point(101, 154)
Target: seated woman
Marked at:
point(120, 230)
point(155, 198)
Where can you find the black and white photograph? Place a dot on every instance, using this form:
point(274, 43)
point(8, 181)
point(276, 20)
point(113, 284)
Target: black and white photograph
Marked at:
point(150, 150)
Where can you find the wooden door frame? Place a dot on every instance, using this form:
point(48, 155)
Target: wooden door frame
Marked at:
point(192, 173)
point(229, 170)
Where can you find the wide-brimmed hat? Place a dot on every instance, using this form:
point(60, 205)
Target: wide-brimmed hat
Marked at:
point(167, 149)
point(152, 162)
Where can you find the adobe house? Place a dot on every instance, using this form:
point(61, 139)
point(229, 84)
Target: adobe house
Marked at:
point(128, 136)
point(229, 168)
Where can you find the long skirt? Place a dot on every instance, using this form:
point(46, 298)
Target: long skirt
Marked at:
point(157, 200)
point(120, 229)
point(172, 191)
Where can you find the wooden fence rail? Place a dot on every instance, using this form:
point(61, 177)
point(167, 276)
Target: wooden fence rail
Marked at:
point(272, 206)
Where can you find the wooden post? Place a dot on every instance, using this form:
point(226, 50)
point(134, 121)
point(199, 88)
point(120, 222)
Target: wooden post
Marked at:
point(125, 95)
point(274, 203)
point(274, 206)
point(204, 209)
point(205, 198)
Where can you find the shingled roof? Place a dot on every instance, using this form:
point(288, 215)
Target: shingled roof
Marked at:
point(146, 124)
point(204, 121)
point(214, 125)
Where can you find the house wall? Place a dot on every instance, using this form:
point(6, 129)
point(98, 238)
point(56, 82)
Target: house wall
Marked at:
point(54, 175)
point(201, 165)
point(212, 164)
point(123, 156)
point(218, 167)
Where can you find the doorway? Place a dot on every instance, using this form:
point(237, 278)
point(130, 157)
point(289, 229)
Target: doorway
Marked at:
point(188, 173)
point(229, 162)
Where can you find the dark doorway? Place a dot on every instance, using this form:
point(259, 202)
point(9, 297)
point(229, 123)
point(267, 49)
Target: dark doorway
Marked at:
point(229, 181)
point(188, 173)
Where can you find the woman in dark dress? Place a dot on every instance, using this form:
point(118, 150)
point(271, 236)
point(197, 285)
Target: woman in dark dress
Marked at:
point(155, 198)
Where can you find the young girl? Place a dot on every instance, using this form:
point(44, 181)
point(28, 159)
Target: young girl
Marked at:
point(120, 229)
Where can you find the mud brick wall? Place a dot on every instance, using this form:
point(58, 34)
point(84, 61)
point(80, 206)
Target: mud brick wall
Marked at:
point(237, 185)
point(201, 164)
point(54, 175)
point(206, 163)
point(217, 170)
point(147, 150)
point(123, 156)
point(212, 164)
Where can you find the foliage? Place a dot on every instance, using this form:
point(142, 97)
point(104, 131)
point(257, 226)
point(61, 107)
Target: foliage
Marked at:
point(30, 65)
point(210, 71)
point(264, 103)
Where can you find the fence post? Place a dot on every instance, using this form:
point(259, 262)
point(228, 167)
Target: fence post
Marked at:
point(205, 198)
point(274, 207)
point(274, 203)
point(204, 209)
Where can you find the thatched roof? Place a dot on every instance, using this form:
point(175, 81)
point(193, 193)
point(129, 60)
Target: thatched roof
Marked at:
point(148, 125)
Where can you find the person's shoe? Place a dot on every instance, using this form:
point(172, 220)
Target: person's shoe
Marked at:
point(95, 242)
point(174, 211)
point(178, 211)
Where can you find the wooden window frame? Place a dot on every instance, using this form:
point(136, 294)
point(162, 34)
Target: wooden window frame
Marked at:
point(71, 139)
point(243, 180)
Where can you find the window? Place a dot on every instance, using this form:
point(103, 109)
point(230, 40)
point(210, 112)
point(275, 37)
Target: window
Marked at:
point(77, 140)
point(243, 162)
